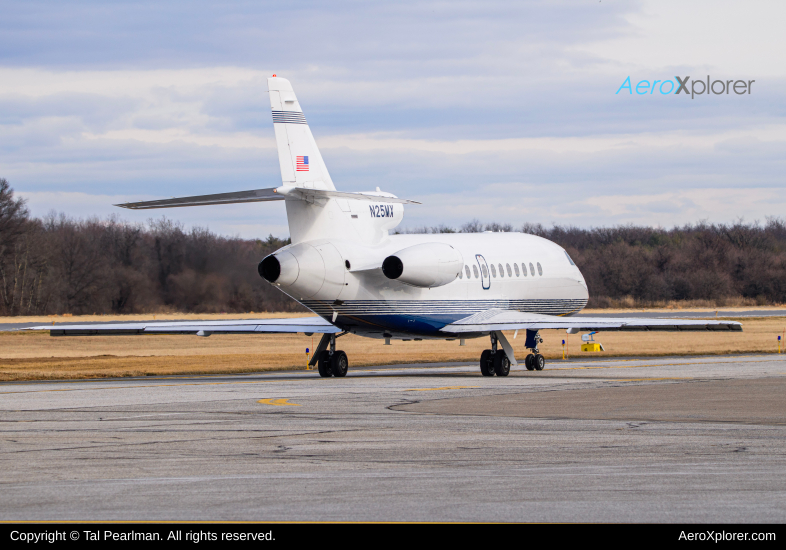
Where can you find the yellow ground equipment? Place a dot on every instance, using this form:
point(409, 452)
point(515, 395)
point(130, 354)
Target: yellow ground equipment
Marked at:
point(590, 344)
point(596, 346)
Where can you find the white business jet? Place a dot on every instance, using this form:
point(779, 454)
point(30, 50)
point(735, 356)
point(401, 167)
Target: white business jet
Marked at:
point(344, 265)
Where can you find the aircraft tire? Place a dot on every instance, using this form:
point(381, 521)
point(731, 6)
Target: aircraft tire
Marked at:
point(323, 365)
point(501, 364)
point(339, 364)
point(486, 363)
point(539, 362)
point(529, 362)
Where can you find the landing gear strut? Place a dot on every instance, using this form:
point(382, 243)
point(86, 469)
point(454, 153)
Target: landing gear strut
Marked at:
point(494, 361)
point(330, 362)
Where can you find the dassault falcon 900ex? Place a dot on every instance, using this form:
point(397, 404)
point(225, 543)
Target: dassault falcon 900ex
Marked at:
point(344, 265)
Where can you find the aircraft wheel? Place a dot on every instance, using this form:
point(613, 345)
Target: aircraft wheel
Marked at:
point(501, 364)
point(529, 362)
point(323, 365)
point(339, 364)
point(539, 362)
point(486, 363)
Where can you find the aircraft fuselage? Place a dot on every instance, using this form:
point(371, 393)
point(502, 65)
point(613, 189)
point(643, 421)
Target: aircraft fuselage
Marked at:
point(512, 271)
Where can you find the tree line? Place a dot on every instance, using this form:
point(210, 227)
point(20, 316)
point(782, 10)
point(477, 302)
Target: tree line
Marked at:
point(635, 266)
point(57, 264)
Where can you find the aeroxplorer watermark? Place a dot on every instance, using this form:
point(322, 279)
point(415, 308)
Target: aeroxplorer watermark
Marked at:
point(718, 536)
point(684, 85)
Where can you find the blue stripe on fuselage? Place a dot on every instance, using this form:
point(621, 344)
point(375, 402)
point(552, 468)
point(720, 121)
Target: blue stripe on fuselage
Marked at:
point(423, 325)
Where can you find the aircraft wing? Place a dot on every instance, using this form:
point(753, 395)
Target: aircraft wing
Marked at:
point(200, 328)
point(501, 319)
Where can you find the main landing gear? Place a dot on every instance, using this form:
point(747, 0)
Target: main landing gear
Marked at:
point(330, 362)
point(495, 361)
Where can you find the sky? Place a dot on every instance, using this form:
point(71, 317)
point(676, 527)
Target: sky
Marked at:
point(503, 112)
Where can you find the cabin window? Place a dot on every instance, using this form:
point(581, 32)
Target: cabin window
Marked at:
point(516, 268)
point(501, 271)
point(475, 270)
point(493, 271)
point(510, 273)
point(532, 269)
point(540, 269)
point(484, 270)
point(466, 268)
point(524, 269)
point(569, 259)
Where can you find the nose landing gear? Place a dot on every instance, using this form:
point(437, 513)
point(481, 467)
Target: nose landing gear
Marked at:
point(534, 361)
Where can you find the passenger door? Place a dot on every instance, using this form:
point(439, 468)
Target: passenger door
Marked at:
point(485, 276)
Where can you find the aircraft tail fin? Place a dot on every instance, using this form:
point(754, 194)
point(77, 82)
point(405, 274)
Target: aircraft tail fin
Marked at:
point(300, 160)
point(315, 209)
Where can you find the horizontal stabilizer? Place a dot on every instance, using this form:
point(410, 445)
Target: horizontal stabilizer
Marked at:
point(202, 328)
point(500, 319)
point(255, 195)
point(262, 195)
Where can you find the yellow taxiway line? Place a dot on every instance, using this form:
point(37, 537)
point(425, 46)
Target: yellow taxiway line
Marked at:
point(443, 388)
point(278, 402)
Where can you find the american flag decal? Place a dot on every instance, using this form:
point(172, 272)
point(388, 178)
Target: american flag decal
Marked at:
point(302, 164)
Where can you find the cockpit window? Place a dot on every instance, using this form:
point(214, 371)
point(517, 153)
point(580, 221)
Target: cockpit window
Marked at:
point(569, 259)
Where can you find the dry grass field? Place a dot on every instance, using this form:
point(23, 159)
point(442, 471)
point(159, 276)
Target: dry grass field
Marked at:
point(37, 356)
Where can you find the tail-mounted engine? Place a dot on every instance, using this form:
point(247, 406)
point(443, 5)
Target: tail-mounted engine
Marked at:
point(306, 271)
point(424, 265)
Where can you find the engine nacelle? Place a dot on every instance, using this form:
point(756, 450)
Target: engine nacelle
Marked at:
point(425, 265)
point(306, 271)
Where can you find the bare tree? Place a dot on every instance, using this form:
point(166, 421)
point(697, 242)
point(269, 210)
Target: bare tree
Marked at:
point(22, 267)
point(78, 262)
point(60, 264)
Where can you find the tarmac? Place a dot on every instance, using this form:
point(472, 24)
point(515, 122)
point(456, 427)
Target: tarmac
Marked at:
point(672, 439)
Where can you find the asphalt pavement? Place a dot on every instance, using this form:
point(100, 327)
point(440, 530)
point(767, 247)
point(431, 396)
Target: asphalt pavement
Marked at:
point(677, 439)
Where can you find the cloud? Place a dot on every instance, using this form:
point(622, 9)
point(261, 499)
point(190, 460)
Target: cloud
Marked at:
point(711, 35)
point(498, 111)
point(587, 209)
point(372, 37)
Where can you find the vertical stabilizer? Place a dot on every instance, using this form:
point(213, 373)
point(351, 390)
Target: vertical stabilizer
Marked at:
point(298, 155)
